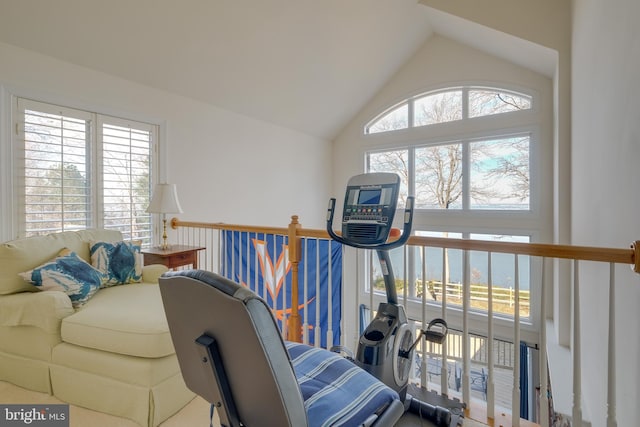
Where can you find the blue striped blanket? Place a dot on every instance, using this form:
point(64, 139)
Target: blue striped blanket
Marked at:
point(335, 391)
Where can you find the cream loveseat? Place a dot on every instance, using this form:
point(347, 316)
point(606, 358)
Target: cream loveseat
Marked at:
point(113, 354)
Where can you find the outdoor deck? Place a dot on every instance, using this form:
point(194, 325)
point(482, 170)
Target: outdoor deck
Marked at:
point(503, 381)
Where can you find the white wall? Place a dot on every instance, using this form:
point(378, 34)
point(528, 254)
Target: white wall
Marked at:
point(228, 167)
point(605, 158)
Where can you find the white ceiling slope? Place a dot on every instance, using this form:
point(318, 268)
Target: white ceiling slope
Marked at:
point(308, 65)
point(508, 47)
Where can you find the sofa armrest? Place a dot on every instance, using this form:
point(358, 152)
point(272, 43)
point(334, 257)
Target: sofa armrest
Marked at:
point(151, 273)
point(44, 309)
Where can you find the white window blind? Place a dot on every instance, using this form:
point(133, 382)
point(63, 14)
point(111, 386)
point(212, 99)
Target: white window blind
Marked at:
point(126, 155)
point(53, 182)
point(76, 169)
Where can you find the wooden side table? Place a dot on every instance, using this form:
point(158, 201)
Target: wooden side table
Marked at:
point(174, 256)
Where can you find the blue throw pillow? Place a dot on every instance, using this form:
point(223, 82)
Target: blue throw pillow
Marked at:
point(120, 262)
point(67, 273)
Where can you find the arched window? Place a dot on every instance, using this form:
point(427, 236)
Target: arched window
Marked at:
point(476, 178)
point(448, 105)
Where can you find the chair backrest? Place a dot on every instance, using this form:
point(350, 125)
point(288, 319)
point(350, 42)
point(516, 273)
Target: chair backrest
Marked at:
point(260, 377)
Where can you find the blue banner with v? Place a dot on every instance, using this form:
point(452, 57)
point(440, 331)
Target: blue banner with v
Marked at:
point(261, 262)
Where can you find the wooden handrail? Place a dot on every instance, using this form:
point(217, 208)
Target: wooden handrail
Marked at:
point(175, 223)
point(301, 232)
point(629, 256)
point(587, 253)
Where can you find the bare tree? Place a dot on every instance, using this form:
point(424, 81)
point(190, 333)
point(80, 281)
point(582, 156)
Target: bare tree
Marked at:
point(516, 168)
point(438, 108)
point(439, 168)
point(392, 161)
point(439, 176)
point(393, 120)
point(485, 102)
point(500, 171)
point(56, 198)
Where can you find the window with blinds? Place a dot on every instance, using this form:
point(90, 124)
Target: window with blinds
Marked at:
point(125, 169)
point(77, 169)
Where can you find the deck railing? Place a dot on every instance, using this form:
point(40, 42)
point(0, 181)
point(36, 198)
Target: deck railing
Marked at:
point(454, 304)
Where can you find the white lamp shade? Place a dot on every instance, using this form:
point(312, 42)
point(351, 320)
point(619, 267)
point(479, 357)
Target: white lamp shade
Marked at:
point(164, 200)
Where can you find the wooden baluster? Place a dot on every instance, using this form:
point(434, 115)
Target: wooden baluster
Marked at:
point(466, 353)
point(515, 396)
point(305, 323)
point(405, 270)
point(423, 361)
point(293, 322)
point(490, 357)
point(369, 253)
point(611, 364)
point(317, 331)
point(444, 383)
point(233, 256)
point(329, 298)
point(544, 378)
point(218, 267)
point(575, 350)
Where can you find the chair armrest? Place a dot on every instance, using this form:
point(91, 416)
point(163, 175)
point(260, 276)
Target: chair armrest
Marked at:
point(44, 309)
point(151, 273)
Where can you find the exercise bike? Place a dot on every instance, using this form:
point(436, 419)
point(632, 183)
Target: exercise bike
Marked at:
point(385, 348)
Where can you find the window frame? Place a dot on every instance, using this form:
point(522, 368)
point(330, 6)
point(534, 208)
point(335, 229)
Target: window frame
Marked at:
point(465, 89)
point(153, 149)
point(21, 157)
point(472, 221)
point(11, 173)
point(465, 209)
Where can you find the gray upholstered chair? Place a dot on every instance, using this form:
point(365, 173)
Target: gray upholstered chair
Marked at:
point(232, 354)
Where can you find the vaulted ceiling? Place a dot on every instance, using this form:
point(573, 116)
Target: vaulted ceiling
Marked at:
point(308, 65)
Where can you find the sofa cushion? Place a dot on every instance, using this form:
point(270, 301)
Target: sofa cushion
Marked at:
point(121, 262)
point(21, 255)
point(143, 371)
point(151, 273)
point(67, 273)
point(122, 319)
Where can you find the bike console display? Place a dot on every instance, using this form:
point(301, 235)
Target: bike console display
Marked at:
point(369, 207)
point(370, 204)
